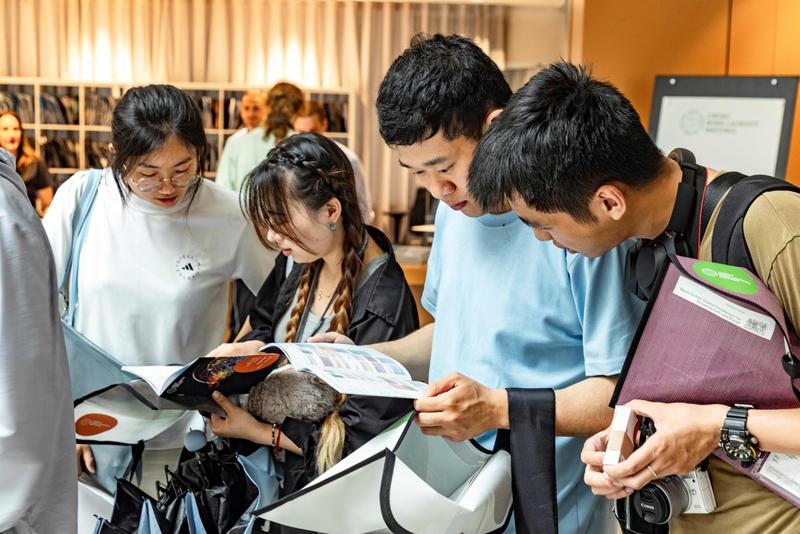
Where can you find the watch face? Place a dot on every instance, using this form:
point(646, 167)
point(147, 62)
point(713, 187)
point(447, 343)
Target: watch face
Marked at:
point(739, 448)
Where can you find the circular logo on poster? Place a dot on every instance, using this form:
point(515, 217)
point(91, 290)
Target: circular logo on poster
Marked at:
point(188, 267)
point(727, 277)
point(692, 122)
point(92, 424)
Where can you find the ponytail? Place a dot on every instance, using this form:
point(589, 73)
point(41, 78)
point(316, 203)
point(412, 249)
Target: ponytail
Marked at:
point(331, 440)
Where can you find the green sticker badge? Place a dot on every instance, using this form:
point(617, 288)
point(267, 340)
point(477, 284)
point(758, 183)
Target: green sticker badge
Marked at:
point(727, 277)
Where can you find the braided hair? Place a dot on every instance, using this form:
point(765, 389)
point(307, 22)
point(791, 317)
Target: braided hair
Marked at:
point(311, 169)
point(283, 101)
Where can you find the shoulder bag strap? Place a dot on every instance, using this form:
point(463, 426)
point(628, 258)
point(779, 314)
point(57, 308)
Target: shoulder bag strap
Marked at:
point(715, 190)
point(79, 219)
point(728, 245)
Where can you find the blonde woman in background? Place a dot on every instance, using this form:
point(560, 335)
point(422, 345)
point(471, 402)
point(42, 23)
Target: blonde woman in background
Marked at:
point(244, 151)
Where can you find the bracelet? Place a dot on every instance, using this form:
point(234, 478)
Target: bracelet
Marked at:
point(277, 442)
point(273, 433)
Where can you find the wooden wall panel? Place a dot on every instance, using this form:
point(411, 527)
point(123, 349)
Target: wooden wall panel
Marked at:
point(752, 40)
point(631, 41)
point(763, 41)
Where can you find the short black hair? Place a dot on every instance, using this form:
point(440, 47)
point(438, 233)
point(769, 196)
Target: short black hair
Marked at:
point(442, 83)
point(145, 118)
point(561, 136)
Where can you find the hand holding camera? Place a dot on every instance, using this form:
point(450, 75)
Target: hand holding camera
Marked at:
point(645, 481)
point(687, 434)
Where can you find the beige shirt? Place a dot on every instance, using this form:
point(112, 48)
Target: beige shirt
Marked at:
point(772, 232)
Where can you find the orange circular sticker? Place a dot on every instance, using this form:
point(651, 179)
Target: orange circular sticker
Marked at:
point(251, 364)
point(94, 423)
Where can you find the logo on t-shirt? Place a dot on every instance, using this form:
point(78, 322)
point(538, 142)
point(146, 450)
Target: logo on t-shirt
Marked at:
point(187, 267)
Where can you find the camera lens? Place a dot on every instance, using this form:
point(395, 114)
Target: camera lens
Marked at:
point(661, 500)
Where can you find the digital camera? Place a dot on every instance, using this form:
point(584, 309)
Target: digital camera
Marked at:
point(650, 509)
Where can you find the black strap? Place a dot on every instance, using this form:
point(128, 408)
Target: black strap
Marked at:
point(532, 444)
point(728, 245)
point(715, 190)
point(135, 467)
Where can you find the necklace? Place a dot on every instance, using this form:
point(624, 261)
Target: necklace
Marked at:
point(320, 295)
point(321, 321)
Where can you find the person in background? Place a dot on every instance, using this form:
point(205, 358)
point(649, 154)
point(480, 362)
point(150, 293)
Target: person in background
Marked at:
point(311, 118)
point(161, 247)
point(252, 111)
point(243, 152)
point(344, 278)
point(33, 170)
point(38, 489)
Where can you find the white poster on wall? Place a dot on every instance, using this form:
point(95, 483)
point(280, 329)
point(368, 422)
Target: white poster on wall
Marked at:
point(725, 133)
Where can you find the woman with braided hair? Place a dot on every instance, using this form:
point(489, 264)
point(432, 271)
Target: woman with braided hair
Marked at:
point(344, 278)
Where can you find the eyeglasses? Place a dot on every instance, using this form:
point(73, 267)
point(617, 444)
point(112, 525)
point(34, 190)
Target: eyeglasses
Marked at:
point(149, 184)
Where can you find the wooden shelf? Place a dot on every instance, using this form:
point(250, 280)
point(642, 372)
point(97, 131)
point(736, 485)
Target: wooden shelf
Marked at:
point(219, 92)
point(60, 127)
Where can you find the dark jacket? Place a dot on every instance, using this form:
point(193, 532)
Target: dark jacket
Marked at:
point(383, 310)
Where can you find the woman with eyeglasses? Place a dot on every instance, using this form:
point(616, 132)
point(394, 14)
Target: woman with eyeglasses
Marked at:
point(161, 246)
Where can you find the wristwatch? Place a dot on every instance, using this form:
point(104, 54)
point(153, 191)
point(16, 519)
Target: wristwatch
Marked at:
point(735, 440)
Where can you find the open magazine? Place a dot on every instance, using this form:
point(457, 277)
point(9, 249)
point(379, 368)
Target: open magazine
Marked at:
point(142, 409)
point(351, 369)
point(203, 376)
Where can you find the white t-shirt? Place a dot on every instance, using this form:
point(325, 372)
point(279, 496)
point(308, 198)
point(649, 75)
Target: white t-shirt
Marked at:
point(153, 282)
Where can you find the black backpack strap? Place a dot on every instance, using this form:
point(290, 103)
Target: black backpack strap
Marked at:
point(728, 245)
point(714, 191)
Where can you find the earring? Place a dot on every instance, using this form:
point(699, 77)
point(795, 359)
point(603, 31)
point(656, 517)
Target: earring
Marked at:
point(332, 226)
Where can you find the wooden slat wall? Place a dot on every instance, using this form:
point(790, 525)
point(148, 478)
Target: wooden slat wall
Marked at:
point(632, 41)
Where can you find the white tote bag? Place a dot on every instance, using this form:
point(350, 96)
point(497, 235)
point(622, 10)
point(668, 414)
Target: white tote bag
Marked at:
point(404, 481)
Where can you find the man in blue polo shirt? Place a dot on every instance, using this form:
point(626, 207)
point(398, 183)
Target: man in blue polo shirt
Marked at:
point(510, 312)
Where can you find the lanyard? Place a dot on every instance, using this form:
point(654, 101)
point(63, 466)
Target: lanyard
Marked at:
point(312, 290)
point(306, 310)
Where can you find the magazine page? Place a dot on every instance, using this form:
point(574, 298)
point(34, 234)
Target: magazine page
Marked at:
point(783, 470)
point(341, 357)
point(159, 377)
point(227, 374)
point(374, 385)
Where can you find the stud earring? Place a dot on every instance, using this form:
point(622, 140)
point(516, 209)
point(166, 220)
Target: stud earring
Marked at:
point(332, 226)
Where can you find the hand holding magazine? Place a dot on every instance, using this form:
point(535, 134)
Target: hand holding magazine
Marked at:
point(351, 369)
point(142, 409)
point(203, 376)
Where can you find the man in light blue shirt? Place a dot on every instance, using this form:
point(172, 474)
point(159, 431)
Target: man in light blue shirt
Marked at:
point(510, 312)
